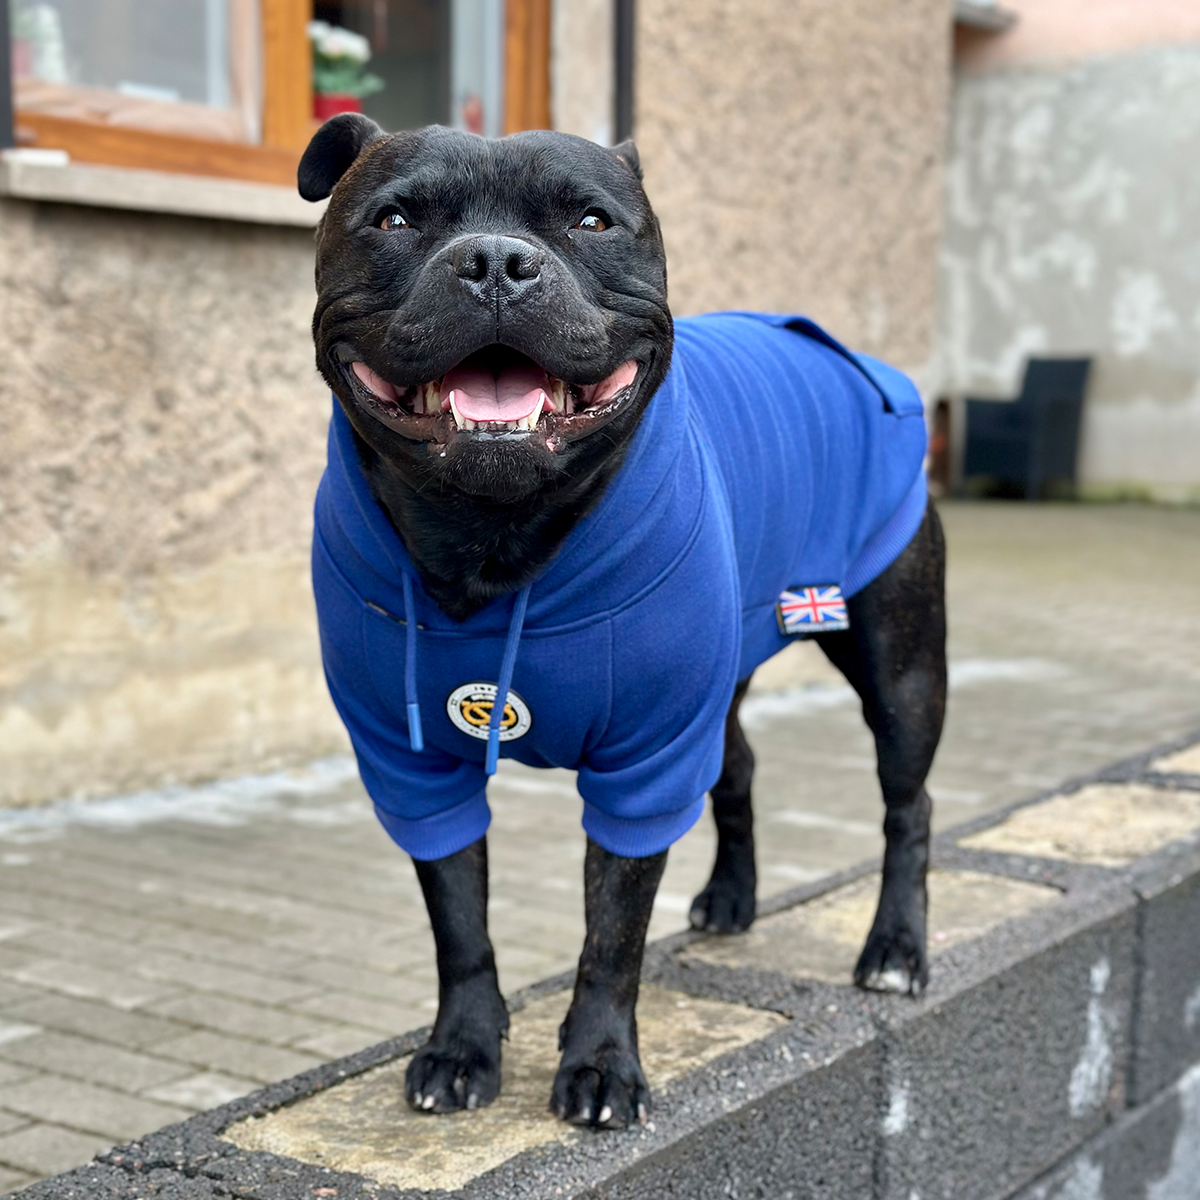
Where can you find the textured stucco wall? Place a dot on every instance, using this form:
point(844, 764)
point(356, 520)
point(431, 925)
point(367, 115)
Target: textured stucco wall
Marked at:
point(582, 84)
point(1073, 226)
point(162, 439)
point(794, 150)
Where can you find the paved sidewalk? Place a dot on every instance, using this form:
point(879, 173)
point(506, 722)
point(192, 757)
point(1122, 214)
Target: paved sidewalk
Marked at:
point(162, 953)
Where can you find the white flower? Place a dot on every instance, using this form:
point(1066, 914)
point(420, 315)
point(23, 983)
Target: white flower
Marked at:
point(317, 30)
point(337, 42)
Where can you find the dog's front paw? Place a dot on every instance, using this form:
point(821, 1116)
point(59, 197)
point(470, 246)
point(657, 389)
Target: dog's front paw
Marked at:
point(450, 1073)
point(605, 1090)
point(893, 960)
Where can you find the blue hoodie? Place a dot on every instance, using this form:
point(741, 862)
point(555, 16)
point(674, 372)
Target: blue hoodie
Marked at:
point(770, 461)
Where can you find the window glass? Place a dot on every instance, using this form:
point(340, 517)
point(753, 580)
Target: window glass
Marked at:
point(416, 62)
point(185, 66)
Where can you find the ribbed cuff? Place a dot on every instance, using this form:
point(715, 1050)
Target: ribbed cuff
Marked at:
point(641, 836)
point(442, 833)
point(885, 546)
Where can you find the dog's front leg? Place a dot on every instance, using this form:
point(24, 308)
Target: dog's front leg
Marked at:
point(459, 1067)
point(600, 1080)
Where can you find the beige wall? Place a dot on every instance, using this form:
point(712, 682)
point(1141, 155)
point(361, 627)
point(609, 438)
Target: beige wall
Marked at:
point(793, 150)
point(1062, 31)
point(1071, 228)
point(163, 436)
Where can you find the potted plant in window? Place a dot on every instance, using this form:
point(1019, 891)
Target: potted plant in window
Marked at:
point(340, 78)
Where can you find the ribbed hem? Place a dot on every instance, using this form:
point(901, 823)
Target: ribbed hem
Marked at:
point(641, 836)
point(884, 547)
point(442, 833)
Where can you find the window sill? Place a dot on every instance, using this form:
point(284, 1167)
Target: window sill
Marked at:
point(50, 175)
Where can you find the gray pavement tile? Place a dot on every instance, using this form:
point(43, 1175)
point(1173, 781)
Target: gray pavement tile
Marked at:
point(339, 1040)
point(15, 1031)
point(95, 1020)
point(15, 993)
point(240, 1018)
point(10, 1121)
point(203, 1090)
point(388, 1018)
point(10, 1181)
point(82, 1058)
point(119, 988)
point(205, 976)
point(47, 1149)
point(87, 1108)
point(363, 981)
point(238, 1056)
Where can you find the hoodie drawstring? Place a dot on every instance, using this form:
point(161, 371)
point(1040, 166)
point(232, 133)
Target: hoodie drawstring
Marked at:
point(411, 696)
point(415, 736)
point(506, 674)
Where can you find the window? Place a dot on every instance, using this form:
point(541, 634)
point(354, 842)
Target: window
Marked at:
point(226, 87)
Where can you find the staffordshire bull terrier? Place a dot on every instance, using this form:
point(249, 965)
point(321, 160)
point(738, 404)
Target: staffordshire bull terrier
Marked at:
point(558, 526)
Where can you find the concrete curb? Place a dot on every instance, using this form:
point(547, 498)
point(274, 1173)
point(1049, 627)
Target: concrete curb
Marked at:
point(1058, 1046)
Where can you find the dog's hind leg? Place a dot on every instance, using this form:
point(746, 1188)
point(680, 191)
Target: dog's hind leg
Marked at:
point(726, 905)
point(459, 1067)
point(894, 655)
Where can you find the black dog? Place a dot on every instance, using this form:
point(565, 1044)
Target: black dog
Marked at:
point(535, 263)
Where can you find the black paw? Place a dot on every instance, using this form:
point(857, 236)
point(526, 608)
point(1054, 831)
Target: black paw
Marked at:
point(893, 960)
point(454, 1071)
point(727, 904)
point(604, 1090)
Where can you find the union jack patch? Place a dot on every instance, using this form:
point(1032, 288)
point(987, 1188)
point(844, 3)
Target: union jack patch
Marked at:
point(812, 610)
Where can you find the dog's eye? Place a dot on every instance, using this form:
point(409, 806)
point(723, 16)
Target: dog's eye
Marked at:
point(593, 222)
point(393, 220)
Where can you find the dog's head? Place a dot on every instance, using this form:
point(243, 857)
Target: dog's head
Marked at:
point(491, 313)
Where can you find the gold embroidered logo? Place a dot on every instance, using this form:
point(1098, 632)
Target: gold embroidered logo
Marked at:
point(470, 708)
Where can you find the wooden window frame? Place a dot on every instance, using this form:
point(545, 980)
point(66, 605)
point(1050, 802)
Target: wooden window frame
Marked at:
point(287, 121)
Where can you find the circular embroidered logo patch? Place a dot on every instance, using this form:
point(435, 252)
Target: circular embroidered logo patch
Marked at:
point(470, 708)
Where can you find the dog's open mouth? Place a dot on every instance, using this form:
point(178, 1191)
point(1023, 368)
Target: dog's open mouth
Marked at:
point(497, 391)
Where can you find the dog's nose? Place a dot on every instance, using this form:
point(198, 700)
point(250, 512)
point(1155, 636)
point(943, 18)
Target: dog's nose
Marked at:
point(490, 266)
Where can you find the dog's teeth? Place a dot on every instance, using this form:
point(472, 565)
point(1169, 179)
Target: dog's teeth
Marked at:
point(459, 420)
point(433, 396)
point(558, 390)
point(418, 401)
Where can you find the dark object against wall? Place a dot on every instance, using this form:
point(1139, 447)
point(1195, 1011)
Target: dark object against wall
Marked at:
point(6, 106)
point(1027, 443)
point(624, 17)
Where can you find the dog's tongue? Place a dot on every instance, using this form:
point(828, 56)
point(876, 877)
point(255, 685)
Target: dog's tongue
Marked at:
point(510, 394)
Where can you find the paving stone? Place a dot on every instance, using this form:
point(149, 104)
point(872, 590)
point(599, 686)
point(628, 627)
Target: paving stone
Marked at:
point(82, 1058)
point(1185, 761)
point(15, 1031)
point(95, 1020)
point(86, 1107)
point(1108, 825)
point(10, 1180)
point(10, 1121)
point(205, 1089)
point(238, 1017)
point(46, 1149)
point(207, 976)
point(340, 1040)
point(119, 988)
point(388, 1018)
point(239, 1056)
point(823, 938)
point(364, 1125)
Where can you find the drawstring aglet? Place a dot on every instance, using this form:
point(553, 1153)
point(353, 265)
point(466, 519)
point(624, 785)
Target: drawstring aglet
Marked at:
point(415, 736)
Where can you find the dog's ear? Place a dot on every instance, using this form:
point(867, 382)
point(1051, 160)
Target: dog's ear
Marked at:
point(332, 150)
point(626, 151)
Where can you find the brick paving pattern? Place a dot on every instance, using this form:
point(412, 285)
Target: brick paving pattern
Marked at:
point(161, 954)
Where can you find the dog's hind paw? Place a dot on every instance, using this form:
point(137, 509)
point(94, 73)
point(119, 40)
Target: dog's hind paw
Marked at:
point(727, 903)
point(893, 963)
point(609, 1093)
point(441, 1081)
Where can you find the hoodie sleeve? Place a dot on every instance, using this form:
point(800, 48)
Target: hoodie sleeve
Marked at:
point(675, 658)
